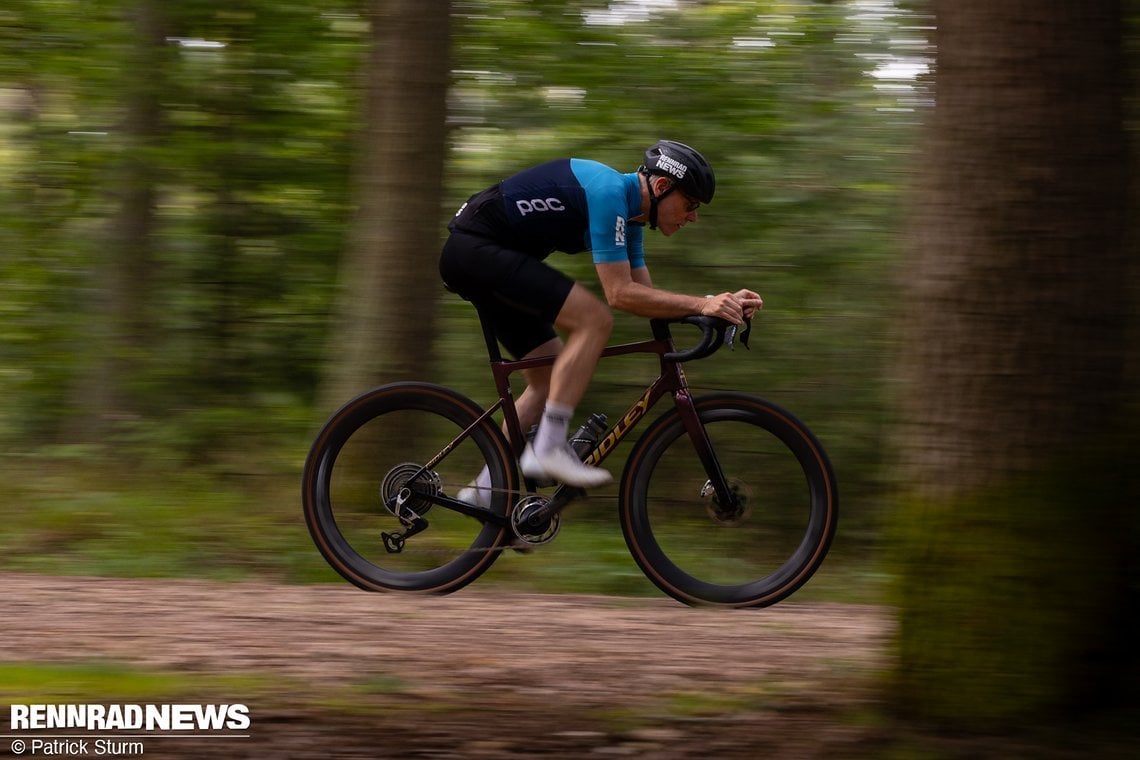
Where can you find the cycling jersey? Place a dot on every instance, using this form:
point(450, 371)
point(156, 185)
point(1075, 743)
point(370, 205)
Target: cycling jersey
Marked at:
point(499, 238)
point(569, 205)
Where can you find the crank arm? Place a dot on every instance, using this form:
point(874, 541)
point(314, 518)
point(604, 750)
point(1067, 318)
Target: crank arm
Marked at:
point(563, 496)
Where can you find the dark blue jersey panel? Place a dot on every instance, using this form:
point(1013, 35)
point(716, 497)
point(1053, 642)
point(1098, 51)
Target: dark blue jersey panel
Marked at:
point(575, 205)
point(546, 208)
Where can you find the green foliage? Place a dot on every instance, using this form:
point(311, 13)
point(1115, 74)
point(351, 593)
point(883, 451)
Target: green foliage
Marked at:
point(71, 512)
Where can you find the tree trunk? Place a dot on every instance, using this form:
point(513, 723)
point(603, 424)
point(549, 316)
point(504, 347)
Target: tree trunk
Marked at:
point(1011, 536)
point(122, 326)
point(382, 328)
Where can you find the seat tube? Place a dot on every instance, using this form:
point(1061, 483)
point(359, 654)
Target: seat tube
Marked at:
point(703, 445)
point(501, 370)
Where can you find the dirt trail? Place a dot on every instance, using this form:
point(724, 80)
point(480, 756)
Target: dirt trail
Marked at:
point(480, 673)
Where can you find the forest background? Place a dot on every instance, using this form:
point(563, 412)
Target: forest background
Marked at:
point(221, 220)
point(179, 198)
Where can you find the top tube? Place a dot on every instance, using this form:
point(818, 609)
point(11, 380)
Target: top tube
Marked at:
point(713, 335)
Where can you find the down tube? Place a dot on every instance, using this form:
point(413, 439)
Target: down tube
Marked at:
point(639, 409)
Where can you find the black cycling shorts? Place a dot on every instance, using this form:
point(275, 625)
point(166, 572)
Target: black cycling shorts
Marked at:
point(518, 293)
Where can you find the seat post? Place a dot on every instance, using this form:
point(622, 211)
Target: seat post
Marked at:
point(489, 336)
point(488, 332)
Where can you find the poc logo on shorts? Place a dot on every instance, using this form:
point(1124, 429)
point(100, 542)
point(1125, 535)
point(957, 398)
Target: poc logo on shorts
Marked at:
point(539, 204)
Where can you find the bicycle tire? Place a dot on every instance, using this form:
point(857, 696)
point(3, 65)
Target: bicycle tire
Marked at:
point(371, 448)
point(701, 556)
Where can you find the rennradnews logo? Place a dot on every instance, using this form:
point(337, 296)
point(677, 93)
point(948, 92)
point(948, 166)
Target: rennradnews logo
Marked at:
point(95, 717)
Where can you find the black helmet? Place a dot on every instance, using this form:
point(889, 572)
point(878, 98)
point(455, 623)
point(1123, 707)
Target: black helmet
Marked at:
point(686, 167)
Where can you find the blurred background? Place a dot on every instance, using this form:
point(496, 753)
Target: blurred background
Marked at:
point(218, 221)
point(179, 188)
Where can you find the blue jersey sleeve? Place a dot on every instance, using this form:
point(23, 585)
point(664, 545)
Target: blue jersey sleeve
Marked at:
point(611, 238)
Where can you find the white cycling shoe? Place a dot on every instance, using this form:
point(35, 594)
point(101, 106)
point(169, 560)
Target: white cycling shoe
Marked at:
point(561, 465)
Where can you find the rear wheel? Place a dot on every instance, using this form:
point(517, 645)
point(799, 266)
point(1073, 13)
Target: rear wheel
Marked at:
point(368, 464)
point(763, 544)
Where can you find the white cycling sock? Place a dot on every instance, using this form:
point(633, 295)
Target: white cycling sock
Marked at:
point(483, 482)
point(553, 429)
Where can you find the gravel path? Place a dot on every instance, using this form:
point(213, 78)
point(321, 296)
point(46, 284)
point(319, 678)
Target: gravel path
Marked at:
point(478, 673)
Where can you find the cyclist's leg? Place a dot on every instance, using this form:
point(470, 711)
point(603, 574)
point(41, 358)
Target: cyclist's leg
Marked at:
point(528, 407)
point(517, 293)
point(533, 398)
point(520, 297)
point(517, 309)
point(588, 323)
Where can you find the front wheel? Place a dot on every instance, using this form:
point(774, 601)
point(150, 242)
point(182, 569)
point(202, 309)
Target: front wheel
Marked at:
point(385, 454)
point(757, 549)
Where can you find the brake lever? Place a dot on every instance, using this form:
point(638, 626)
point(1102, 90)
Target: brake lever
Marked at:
point(730, 335)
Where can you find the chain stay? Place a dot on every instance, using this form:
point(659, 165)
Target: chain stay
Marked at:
point(396, 543)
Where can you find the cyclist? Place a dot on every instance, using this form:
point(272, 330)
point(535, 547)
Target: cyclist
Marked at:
point(494, 256)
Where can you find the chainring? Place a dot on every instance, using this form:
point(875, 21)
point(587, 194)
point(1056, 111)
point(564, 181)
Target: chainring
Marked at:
point(538, 535)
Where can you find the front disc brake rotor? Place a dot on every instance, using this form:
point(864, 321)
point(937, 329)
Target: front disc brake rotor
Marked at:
point(732, 514)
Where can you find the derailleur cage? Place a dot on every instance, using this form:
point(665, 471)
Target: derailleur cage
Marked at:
point(413, 522)
point(394, 542)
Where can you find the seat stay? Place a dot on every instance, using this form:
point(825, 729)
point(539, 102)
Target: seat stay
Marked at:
point(432, 463)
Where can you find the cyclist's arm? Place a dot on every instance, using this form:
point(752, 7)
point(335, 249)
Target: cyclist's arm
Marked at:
point(633, 293)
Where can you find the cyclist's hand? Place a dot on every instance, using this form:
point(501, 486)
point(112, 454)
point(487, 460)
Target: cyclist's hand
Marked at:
point(750, 301)
point(725, 306)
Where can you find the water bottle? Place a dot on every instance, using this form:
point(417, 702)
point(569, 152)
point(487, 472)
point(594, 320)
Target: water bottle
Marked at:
point(586, 437)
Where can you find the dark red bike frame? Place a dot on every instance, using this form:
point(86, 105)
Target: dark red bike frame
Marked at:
point(670, 380)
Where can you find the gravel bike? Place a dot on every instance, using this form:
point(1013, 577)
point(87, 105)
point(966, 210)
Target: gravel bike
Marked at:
point(726, 499)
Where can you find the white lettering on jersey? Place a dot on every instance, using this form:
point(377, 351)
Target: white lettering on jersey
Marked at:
point(619, 231)
point(538, 204)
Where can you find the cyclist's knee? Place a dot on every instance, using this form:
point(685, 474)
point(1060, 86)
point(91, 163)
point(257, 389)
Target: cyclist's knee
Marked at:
point(605, 319)
point(584, 312)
